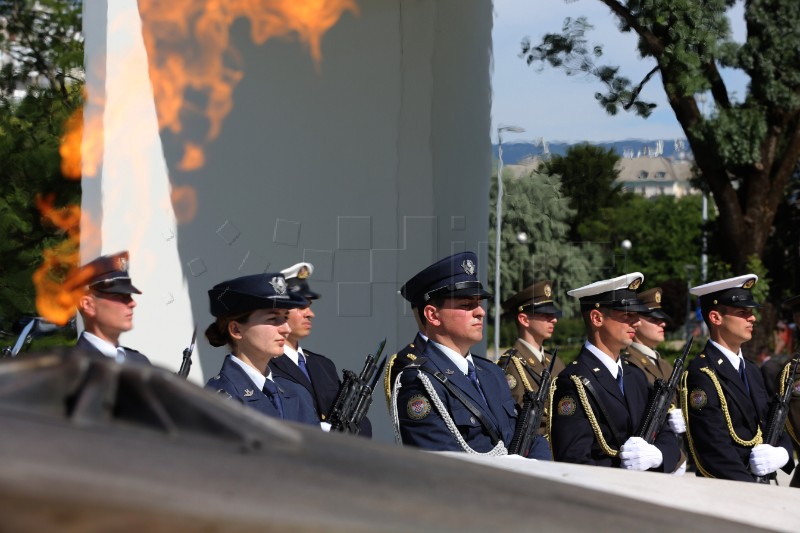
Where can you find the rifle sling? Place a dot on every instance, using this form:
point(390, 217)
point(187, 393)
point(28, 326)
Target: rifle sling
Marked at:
point(469, 404)
point(596, 397)
point(730, 396)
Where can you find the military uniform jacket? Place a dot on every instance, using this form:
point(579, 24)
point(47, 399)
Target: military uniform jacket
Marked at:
point(399, 361)
point(572, 435)
point(717, 453)
point(131, 356)
point(420, 422)
point(232, 382)
point(323, 387)
point(531, 367)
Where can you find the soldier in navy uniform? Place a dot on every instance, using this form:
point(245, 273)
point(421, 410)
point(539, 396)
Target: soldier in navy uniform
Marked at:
point(535, 315)
point(724, 400)
point(312, 371)
point(106, 304)
point(252, 314)
point(599, 400)
point(448, 399)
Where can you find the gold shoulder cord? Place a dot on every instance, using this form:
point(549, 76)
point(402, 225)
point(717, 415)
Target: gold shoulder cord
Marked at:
point(685, 409)
point(598, 433)
point(789, 428)
point(521, 371)
point(549, 412)
point(386, 379)
point(724, 404)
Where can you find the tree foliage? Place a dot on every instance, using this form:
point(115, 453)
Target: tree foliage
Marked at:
point(535, 206)
point(745, 150)
point(44, 55)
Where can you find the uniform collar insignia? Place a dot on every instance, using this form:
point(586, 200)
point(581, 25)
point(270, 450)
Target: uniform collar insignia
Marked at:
point(449, 372)
point(596, 369)
point(719, 362)
point(248, 393)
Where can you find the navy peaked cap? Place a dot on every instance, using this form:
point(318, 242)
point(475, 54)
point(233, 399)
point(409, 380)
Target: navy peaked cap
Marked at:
point(452, 277)
point(248, 293)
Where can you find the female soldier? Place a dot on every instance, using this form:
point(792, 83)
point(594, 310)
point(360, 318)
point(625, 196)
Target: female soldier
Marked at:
point(251, 318)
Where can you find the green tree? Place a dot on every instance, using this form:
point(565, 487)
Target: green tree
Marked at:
point(534, 206)
point(746, 150)
point(43, 41)
point(588, 175)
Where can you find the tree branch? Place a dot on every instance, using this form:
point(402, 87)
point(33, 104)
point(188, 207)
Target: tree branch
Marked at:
point(636, 90)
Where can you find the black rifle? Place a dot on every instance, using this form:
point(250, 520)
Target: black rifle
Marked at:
point(778, 412)
point(355, 395)
point(661, 399)
point(186, 364)
point(530, 417)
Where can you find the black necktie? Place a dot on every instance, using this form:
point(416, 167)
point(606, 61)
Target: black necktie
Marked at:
point(271, 390)
point(474, 379)
point(743, 375)
point(620, 381)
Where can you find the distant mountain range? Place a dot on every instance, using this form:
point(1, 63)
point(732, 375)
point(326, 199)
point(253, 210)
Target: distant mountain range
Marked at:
point(514, 152)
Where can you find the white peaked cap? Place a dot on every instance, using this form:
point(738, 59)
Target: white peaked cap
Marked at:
point(630, 281)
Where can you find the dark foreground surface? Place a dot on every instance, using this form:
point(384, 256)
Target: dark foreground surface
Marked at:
point(88, 445)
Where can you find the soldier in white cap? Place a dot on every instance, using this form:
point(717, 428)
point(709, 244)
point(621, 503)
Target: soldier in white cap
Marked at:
point(311, 370)
point(724, 400)
point(600, 400)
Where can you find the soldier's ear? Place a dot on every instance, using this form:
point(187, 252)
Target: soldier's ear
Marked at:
point(87, 305)
point(596, 317)
point(715, 317)
point(524, 319)
point(233, 330)
point(431, 315)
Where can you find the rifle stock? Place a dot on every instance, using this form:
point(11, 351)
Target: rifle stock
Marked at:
point(660, 399)
point(355, 395)
point(778, 412)
point(530, 417)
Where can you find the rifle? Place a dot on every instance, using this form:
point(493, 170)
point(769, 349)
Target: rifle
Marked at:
point(778, 411)
point(186, 364)
point(661, 398)
point(530, 417)
point(355, 395)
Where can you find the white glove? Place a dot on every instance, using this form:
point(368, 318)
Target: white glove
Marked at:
point(676, 422)
point(766, 459)
point(681, 470)
point(326, 427)
point(636, 454)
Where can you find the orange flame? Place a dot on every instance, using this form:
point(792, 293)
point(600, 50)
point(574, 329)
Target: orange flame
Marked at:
point(173, 28)
point(184, 203)
point(52, 301)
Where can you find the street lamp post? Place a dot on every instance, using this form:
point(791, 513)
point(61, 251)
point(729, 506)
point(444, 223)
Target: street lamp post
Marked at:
point(498, 231)
point(626, 246)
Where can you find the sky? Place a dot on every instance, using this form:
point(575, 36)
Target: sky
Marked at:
point(550, 105)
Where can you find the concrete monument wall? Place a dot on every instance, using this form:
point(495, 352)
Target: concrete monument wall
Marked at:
point(370, 161)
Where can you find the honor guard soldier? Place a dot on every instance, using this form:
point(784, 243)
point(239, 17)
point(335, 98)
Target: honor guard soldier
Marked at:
point(312, 371)
point(106, 306)
point(448, 399)
point(600, 400)
point(252, 314)
point(723, 396)
point(643, 355)
point(536, 316)
point(793, 422)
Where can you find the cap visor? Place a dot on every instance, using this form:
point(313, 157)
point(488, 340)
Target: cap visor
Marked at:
point(469, 293)
point(118, 288)
point(658, 313)
point(547, 309)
